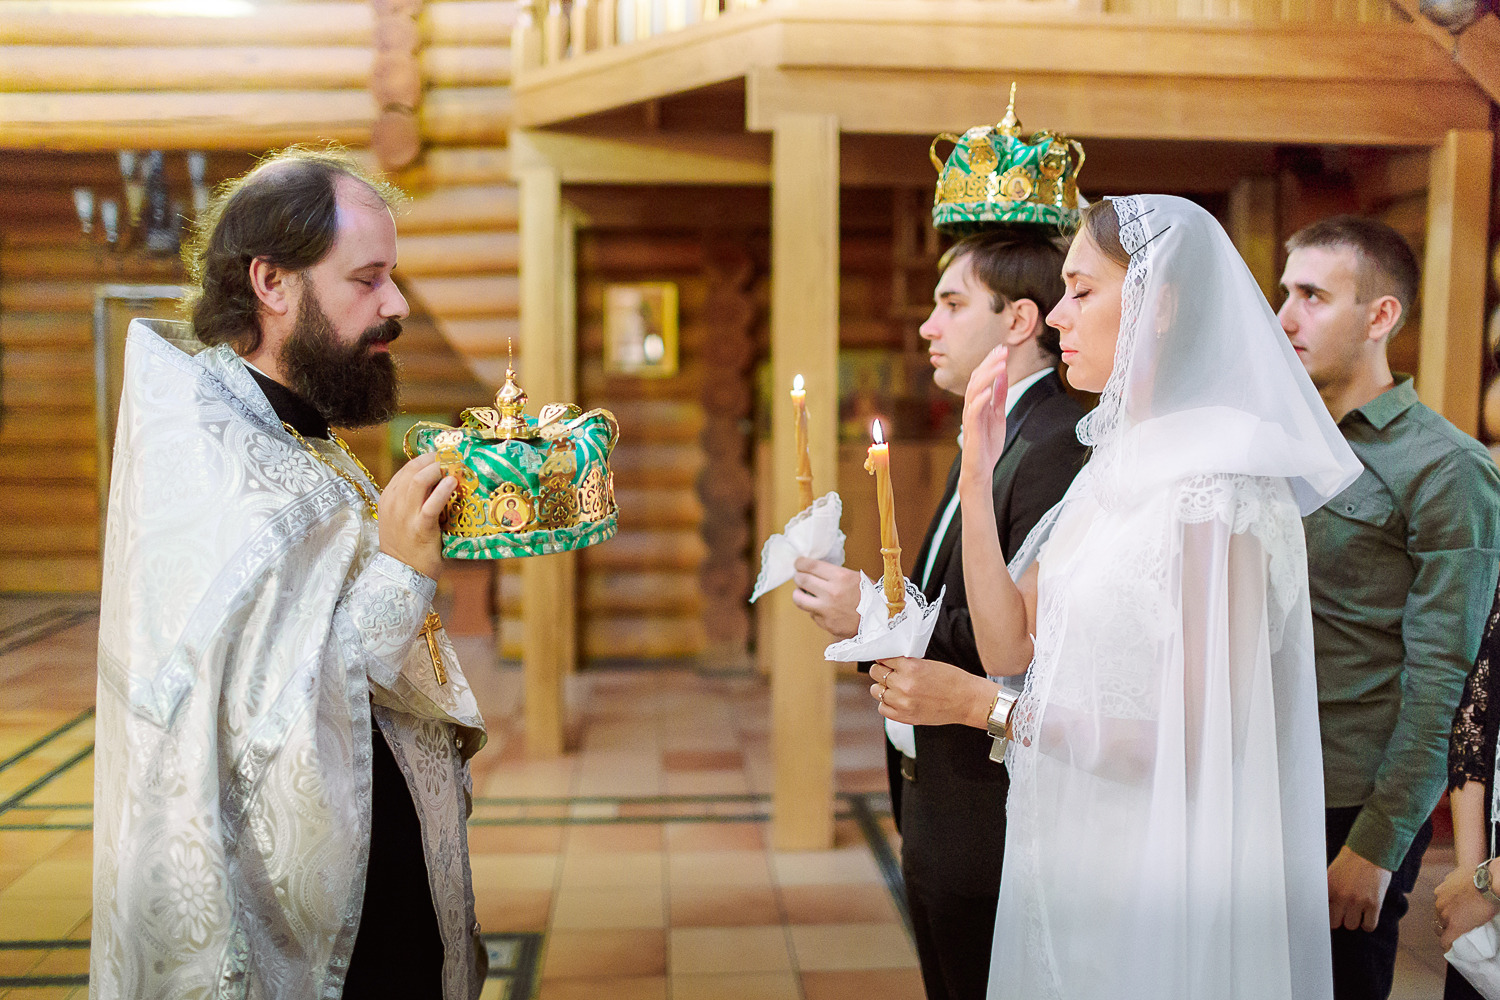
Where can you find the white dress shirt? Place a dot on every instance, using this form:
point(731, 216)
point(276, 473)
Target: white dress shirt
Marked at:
point(900, 734)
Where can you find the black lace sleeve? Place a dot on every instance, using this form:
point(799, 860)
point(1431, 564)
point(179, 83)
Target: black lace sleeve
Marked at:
point(1476, 724)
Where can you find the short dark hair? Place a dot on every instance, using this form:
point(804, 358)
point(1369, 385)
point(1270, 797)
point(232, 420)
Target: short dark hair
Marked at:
point(285, 211)
point(1384, 262)
point(1016, 264)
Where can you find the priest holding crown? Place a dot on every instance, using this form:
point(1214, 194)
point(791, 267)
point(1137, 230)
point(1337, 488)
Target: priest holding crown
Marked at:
point(283, 729)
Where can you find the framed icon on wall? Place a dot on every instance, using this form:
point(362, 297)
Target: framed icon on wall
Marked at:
point(640, 329)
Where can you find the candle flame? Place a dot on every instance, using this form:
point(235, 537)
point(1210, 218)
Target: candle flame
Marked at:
point(797, 384)
point(875, 432)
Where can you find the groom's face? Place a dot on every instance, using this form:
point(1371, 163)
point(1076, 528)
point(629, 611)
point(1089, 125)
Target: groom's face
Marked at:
point(963, 327)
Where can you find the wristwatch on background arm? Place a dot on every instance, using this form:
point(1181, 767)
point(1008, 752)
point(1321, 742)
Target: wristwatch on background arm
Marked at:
point(1483, 884)
point(998, 724)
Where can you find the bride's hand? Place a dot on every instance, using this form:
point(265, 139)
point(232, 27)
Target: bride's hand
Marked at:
point(928, 693)
point(984, 417)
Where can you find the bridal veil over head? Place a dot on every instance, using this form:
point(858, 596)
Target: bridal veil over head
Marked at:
point(1165, 822)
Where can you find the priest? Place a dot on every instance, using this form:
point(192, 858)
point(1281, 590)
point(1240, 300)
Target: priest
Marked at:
point(283, 729)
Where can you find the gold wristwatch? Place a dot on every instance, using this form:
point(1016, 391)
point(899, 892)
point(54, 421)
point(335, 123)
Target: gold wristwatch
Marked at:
point(998, 723)
point(1483, 884)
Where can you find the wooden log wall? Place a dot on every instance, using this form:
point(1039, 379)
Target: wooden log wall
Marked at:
point(675, 580)
point(49, 528)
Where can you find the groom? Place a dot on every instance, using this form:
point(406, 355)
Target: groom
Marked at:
point(947, 795)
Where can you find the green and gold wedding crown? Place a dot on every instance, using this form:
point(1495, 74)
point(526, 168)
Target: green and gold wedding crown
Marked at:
point(995, 177)
point(526, 486)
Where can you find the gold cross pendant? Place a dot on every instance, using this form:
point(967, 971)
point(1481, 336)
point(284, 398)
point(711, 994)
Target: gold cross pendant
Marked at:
point(429, 632)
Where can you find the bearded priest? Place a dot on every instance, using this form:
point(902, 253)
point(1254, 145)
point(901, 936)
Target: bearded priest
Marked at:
point(283, 729)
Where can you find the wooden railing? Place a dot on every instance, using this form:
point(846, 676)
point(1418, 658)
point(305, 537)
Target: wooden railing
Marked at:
point(548, 32)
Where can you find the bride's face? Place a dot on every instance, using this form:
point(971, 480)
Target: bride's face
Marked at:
point(1088, 317)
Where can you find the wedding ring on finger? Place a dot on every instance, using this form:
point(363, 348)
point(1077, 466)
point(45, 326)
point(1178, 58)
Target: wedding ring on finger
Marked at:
point(881, 697)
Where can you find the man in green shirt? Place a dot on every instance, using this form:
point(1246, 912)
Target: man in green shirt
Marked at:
point(1402, 568)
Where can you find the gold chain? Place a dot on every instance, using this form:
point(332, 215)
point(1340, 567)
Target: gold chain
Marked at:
point(373, 503)
point(433, 622)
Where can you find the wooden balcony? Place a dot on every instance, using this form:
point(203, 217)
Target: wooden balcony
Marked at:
point(1221, 70)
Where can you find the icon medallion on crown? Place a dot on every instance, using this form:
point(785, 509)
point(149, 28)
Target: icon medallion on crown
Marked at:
point(526, 487)
point(993, 176)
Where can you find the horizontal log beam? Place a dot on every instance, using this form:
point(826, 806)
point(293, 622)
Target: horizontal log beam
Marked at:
point(477, 295)
point(429, 254)
point(184, 120)
point(465, 66)
point(481, 335)
point(644, 550)
point(23, 540)
point(50, 575)
point(1225, 110)
point(467, 115)
point(1092, 54)
point(446, 165)
point(491, 206)
point(68, 68)
point(64, 171)
point(85, 261)
point(20, 329)
point(77, 503)
point(181, 22)
point(468, 22)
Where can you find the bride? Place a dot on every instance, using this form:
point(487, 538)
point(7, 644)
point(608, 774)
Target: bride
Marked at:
point(1165, 819)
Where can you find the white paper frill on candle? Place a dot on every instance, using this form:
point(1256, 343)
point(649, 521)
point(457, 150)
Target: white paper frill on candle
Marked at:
point(813, 533)
point(879, 635)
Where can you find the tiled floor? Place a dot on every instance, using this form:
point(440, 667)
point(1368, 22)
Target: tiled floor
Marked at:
point(635, 868)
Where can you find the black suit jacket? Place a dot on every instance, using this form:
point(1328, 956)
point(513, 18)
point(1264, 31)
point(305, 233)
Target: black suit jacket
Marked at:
point(952, 817)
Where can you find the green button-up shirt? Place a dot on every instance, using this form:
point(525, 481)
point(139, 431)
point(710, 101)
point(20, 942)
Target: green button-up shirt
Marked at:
point(1402, 569)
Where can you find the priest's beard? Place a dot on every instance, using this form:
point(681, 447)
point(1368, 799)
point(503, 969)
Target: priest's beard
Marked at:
point(348, 384)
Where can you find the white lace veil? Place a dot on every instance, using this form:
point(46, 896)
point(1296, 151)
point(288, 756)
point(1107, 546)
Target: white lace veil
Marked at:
point(1165, 817)
point(1204, 380)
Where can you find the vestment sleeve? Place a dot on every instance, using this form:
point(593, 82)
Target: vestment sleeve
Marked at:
point(1452, 538)
point(382, 613)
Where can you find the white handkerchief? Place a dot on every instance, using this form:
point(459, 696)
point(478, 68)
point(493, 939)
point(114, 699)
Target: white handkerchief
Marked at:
point(813, 533)
point(879, 636)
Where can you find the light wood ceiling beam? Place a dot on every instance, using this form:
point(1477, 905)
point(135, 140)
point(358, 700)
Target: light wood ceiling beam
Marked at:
point(1225, 69)
point(1283, 111)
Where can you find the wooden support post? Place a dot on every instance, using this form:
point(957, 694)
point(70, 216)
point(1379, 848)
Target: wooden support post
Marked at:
point(804, 340)
point(1252, 227)
point(1453, 276)
point(548, 371)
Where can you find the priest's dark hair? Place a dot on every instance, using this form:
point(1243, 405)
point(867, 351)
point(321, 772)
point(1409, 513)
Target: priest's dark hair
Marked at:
point(284, 211)
point(1016, 263)
point(1384, 262)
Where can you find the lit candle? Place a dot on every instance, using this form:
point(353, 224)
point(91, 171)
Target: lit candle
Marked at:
point(879, 464)
point(804, 460)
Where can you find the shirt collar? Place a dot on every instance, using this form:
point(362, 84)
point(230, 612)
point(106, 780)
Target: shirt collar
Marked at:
point(290, 407)
point(1386, 407)
point(1014, 393)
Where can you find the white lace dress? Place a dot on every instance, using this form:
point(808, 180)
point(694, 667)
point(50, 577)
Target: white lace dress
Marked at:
point(1165, 819)
point(1152, 850)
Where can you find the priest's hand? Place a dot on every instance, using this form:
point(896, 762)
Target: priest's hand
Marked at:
point(409, 509)
point(984, 418)
point(829, 594)
point(1356, 890)
point(929, 693)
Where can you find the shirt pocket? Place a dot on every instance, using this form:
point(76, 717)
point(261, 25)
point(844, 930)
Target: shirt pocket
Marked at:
point(1359, 543)
point(1366, 501)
